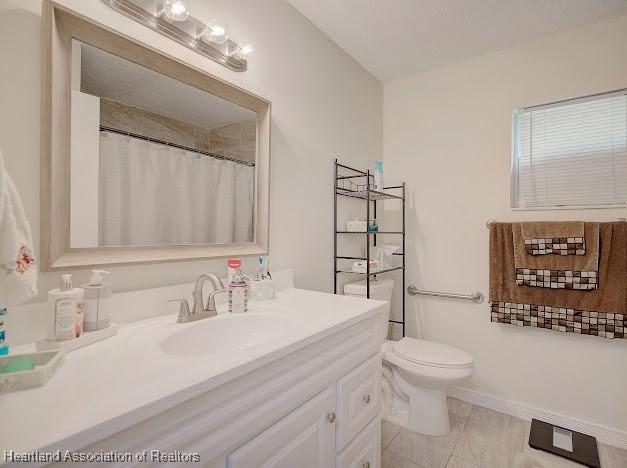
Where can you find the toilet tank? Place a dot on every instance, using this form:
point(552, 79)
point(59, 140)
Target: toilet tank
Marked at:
point(380, 289)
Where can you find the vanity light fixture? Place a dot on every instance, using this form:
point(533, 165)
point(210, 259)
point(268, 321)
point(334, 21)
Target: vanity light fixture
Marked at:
point(172, 19)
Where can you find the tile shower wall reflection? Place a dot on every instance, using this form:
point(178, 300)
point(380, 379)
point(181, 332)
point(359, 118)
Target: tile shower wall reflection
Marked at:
point(236, 140)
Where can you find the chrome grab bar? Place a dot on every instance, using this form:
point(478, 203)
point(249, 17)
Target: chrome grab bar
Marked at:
point(475, 297)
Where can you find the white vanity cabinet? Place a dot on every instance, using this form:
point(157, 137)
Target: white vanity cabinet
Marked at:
point(305, 438)
point(317, 435)
point(318, 406)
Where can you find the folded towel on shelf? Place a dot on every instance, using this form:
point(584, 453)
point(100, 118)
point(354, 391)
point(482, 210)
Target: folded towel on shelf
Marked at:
point(18, 274)
point(558, 271)
point(554, 237)
point(597, 312)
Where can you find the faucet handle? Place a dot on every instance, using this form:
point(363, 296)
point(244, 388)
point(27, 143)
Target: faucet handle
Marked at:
point(183, 308)
point(211, 302)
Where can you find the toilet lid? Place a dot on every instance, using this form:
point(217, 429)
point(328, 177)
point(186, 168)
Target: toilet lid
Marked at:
point(432, 354)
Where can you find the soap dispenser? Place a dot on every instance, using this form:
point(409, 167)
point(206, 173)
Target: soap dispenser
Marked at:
point(66, 317)
point(97, 301)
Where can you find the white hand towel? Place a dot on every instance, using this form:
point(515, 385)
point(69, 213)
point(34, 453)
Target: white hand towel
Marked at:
point(18, 272)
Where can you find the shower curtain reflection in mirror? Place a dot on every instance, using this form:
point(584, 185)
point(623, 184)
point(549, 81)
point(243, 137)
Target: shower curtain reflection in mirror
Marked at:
point(153, 194)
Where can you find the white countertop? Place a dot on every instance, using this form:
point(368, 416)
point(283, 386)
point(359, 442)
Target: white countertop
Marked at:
point(118, 382)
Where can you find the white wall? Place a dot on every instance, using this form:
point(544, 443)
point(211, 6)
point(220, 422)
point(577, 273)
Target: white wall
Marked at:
point(447, 133)
point(324, 104)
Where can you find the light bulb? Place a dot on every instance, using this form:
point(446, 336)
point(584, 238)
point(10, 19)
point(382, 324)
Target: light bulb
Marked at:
point(215, 33)
point(246, 50)
point(242, 50)
point(175, 10)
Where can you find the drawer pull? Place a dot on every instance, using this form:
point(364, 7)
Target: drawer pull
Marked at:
point(367, 398)
point(331, 417)
point(366, 465)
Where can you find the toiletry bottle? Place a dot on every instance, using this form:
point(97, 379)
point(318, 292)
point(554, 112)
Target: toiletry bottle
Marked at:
point(4, 348)
point(268, 282)
point(65, 322)
point(255, 286)
point(378, 175)
point(234, 265)
point(268, 289)
point(267, 268)
point(97, 299)
point(238, 294)
point(261, 272)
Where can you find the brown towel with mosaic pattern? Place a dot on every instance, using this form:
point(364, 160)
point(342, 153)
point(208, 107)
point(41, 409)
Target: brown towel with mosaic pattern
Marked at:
point(557, 271)
point(597, 312)
point(554, 237)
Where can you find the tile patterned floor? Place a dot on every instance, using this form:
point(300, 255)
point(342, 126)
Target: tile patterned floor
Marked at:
point(479, 438)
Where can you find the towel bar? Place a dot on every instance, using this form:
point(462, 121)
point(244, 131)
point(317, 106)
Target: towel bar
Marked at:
point(475, 297)
point(491, 221)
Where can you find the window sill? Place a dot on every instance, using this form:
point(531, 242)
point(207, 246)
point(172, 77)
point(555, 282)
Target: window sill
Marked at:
point(583, 207)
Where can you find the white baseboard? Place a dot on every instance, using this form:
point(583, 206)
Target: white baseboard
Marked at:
point(603, 434)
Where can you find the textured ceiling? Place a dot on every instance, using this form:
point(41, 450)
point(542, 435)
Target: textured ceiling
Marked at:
point(105, 75)
point(396, 38)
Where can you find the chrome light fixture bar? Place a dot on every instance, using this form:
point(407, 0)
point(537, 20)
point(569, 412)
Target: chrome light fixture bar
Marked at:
point(172, 19)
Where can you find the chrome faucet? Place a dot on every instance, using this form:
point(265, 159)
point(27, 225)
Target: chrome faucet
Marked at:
point(199, 311)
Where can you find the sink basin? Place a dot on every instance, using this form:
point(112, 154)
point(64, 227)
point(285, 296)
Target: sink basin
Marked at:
point(225, 333)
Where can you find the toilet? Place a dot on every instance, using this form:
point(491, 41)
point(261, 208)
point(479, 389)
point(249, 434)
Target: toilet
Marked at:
point(416, 373)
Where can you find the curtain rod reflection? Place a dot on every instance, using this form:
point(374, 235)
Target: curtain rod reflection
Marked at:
point(104, 128)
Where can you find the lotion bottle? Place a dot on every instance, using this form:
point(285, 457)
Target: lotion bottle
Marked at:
point(65, 319)
point(97, 299)
point(238, 294)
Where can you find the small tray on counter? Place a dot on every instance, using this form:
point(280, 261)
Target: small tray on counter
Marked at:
point(46, 364)
point(85, 339)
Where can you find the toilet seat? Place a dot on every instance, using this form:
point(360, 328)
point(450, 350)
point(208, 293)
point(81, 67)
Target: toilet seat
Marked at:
point(431, 354)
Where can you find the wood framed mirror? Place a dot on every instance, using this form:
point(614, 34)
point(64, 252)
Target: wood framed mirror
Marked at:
point(145, 158)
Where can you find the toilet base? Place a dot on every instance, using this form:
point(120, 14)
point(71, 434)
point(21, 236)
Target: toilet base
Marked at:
point(430, 417)
point(421, 410)
point(428, 411)
point(395, 416)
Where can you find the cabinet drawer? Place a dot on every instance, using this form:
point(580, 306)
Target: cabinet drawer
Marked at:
point(365, 450)
point(358, 400)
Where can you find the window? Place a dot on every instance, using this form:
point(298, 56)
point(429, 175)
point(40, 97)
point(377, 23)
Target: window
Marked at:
point(571, 153)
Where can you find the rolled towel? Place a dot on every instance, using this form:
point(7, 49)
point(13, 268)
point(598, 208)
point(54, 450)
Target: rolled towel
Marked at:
point(18, 272)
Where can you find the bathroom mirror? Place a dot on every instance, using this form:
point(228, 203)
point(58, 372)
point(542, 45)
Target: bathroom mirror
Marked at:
point(146, 159)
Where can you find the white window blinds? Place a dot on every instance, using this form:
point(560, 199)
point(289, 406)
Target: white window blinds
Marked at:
point(572, 153)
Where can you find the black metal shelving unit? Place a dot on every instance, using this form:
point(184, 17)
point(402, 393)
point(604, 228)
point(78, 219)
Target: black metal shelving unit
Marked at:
point(362, 189)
